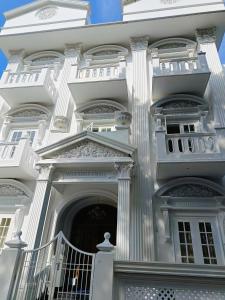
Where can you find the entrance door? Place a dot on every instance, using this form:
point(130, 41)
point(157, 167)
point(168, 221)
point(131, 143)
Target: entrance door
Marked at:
point(90, 224)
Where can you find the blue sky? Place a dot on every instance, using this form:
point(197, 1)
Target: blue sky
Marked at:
point(107, 9)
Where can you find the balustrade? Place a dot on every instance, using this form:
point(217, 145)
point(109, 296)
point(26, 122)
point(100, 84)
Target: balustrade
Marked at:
point(7, 151)
point(100, 72)
point(191, 143)
point(176, 66)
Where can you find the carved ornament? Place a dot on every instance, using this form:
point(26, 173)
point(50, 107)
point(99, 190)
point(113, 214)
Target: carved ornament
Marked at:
point(47, 12)
point(100, 109)
point(29, 113)
point(139, 43)
point(90, 149)
point(206, 35)
point(191, 190)
point(11, 191)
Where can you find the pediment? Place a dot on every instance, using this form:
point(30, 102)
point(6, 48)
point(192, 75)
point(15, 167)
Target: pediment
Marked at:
point(47, 11)
point(86, 145)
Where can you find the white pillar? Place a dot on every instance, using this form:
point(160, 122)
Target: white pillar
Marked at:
point(39, 206)
point(15, 60)
point(64, 102)
point(142, 220)
point(216, 93)
point(123, 211)
point(5, 128)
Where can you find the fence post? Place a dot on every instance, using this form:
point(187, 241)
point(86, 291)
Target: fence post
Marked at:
point(9, 265)
point(102, 288)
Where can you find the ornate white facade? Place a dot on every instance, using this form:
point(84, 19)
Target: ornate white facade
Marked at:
point(114, 128)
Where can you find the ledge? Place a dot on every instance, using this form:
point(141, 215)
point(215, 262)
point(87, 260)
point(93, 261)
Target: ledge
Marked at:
point(162, 269)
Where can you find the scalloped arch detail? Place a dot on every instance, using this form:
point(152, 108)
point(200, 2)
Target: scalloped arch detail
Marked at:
point(27, 109)
point(190, 187)
point(42, 54)
point(190, 100)
point(173, 41)
point(14, 188)
point(106, 51)
point(102, 103)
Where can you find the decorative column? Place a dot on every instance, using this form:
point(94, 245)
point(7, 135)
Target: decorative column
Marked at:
point(5, 128)
point(216, 92)
point(64, 102)
point(39, 207)
point(42, 125)
point(141, 206)
point(123, 211)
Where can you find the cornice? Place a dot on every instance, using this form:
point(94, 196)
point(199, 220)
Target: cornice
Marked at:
point(161, 268)
point(40, 3)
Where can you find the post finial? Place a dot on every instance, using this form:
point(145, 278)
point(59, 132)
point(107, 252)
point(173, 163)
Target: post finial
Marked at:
point(106, 246)
point(16, 242)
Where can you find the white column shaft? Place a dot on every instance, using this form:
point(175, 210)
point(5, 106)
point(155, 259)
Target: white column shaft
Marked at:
point(141, 201)
point(123, 220)
point(37, 213)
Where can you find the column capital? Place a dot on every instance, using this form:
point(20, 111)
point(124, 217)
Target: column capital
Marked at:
point(206, 35)
point(139, 43)
point(73, 50)
point(16, 55)
point(124, 169)
point(45, 172)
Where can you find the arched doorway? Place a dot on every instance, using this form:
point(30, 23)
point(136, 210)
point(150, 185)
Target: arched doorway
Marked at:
point(89, 225)
point(85, 221)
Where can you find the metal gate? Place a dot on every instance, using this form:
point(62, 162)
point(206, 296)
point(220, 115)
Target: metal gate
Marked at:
point(57, 270)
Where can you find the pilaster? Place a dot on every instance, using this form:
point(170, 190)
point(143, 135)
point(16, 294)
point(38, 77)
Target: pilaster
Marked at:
point(63, 105)
point(123, 211)
point(15, 60)
point(39, 206)
point(5, 128)
point(206, 39)
point(141, 228)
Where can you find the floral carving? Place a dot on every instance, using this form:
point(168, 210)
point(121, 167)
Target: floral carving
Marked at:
point(179, 104)
point(100, 109)
point(10, 190)
point(47, 12)
point(29, 113)
point(191, 190)
point(90, 149)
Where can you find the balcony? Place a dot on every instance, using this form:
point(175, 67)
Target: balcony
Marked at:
point(28, 86)
point(188, 154)
point(17, 160)
point(174, 76)
point(98, 82)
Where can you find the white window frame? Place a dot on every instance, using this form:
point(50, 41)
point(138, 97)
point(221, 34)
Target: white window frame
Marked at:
point(24, 132)
point(11, 226)
point(194, 219)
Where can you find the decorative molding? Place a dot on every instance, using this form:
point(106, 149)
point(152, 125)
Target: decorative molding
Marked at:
point(29, 113)
point(100, 109)
point(11, 191)
point(206, 35)
point(171, 43)
point(191, 190)
point(47, 12)
point(139, 43)
point(105, 53)
point(61, 123)
point(123, 118)
point(73, 50)
point(83, 174)
point(124, 170)
point(88, 148)
point(45, 172)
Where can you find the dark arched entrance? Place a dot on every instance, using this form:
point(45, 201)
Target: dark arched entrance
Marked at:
point(89, 225)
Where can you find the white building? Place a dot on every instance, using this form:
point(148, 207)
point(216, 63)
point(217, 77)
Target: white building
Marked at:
point(114, 128)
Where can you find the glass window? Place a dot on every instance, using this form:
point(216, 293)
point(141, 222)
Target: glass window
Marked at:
point(4, 228)
point(197, 241)
point(16, 136)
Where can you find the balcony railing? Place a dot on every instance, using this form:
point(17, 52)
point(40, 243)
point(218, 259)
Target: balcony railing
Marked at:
point(101, 72)
point(17, 160)
point(101, 81)
point(180, 75)
point(191, 143)
point(37, 85)
point(182, 66)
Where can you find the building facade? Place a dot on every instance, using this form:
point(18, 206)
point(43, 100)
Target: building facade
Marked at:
point(115, 128)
